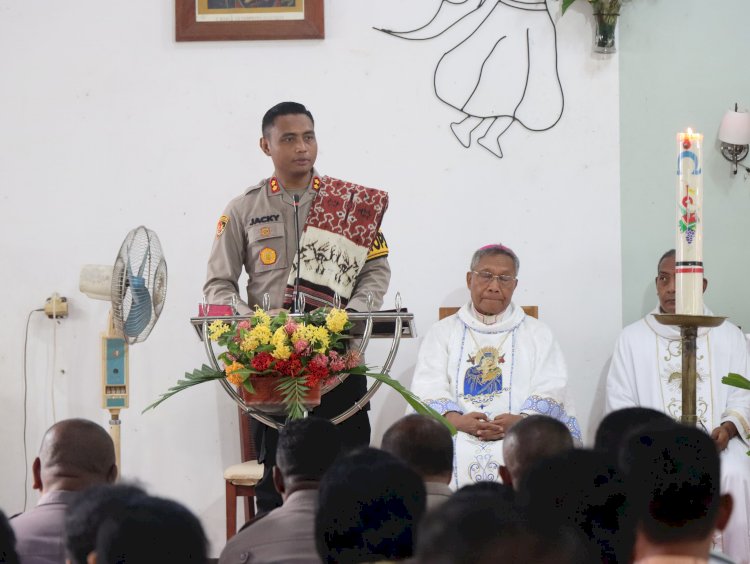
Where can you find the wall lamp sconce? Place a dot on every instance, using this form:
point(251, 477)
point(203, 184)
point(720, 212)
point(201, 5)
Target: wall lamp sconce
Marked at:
point(734, 134)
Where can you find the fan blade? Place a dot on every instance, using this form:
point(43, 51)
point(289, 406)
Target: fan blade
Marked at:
point(140, 311)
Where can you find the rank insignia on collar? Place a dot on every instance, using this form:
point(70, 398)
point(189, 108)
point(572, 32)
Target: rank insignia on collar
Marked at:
point(275, 187)
point(267, 256)
point(316, 183)
point(221, 225)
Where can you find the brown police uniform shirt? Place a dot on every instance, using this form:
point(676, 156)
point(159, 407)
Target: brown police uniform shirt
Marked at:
point(257, 232)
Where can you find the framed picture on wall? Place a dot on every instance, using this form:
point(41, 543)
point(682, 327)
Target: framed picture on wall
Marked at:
point(222, 20)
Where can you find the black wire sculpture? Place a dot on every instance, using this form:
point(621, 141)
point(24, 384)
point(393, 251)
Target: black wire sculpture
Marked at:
point(501, 69)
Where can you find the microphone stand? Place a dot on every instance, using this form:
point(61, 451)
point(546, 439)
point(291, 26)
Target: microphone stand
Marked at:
point(296, 307)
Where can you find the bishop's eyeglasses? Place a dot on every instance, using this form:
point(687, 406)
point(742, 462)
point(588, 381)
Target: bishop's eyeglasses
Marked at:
point(487, 277)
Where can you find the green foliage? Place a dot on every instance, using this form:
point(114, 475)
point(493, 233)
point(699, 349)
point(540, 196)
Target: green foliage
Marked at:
point(411, 399)
point(566, 4)
point(736, 380)
point(197, 376)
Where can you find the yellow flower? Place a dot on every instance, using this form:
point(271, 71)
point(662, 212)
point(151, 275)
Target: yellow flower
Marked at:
point(336, 319)
point(231, 372)
point(305, 332)
point(282, 352)
point(322, 339)
point(261, 317)
point(279, 337)
point(217, 329)
point(249, 343)
point(258, 335)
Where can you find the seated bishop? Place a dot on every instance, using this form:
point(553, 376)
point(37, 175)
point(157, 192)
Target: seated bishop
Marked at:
point(490, 365)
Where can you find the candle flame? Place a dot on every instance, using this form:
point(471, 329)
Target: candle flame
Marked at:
point(690, 131)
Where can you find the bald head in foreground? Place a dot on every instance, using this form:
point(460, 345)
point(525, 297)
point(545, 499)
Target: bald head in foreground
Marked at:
point(75, 454)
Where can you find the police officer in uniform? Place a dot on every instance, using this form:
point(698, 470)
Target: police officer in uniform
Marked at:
point(257, 231)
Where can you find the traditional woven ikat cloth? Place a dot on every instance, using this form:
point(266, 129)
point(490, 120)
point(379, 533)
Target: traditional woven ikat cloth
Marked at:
point(341, 227)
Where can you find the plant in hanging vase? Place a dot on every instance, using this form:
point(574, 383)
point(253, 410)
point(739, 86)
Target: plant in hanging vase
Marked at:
point(281, 363)
point(606, 13)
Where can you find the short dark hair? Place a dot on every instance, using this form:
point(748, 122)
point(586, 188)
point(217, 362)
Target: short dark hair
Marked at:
point(151, 530)
point(87, 511)
point(481, 521)
point(538, 437)
point(307, 447)
point(616, 426)
point(670, 253)
point(283, 109)
point(673, 481)
point(8, 554)
point(583, 489)
point(368, 508)
point(423, 443)
point(494, 250)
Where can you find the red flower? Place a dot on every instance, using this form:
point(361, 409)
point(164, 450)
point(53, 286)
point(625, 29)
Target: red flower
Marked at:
point(316, 374)
point(261, 361)
point(290, 367)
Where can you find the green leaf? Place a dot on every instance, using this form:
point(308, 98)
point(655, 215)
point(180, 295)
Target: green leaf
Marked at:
point(197, 376)
point(417, 404)
point(566, 4)
point(736, 380)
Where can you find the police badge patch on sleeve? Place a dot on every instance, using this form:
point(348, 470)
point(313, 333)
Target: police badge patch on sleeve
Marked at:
point(221, 225)
point(379, 247)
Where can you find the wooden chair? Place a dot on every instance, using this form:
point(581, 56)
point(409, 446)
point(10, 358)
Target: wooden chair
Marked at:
point(242, 478)
point(531, 311)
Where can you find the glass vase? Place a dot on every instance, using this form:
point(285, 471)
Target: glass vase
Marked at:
point(606, 13)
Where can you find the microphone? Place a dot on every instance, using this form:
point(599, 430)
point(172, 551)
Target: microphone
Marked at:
point(296, 307)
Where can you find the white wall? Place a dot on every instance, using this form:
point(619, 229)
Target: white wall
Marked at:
point(106, 123)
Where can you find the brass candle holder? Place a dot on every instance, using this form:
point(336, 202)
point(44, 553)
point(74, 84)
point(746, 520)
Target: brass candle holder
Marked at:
point(689, 325)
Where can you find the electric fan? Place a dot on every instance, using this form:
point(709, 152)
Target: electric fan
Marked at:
point(136, 286)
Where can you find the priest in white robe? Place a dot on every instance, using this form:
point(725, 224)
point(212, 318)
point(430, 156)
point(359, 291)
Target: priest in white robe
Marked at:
point(646, 371)
point(488, 366)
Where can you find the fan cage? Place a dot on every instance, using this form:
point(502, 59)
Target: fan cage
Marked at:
point(140, 256)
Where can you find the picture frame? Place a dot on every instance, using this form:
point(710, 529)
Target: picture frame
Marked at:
point(228, 25)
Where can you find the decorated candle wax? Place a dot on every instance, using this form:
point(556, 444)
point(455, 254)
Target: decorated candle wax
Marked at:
point(689, 245)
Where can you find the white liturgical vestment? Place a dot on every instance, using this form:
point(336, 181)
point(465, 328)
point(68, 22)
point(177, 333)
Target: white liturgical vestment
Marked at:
point(511, 366)
point(646, 371)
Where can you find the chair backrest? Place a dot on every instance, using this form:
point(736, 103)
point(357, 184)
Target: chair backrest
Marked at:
point(531, 311)
point(247, 444)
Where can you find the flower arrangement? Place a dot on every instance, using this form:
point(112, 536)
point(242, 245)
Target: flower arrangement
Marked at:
point(298, 353)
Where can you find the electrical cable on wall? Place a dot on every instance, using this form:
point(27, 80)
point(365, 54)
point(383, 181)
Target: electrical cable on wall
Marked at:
point(501, 69)
point(25, 412)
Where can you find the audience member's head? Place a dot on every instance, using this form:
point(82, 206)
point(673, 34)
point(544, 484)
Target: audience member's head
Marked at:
point(480, 523)
point(582, 489)
point(306, 449)
point(369, 506)
point(532, 438)
point(151, 530)
point(424, 444)
point(75, 454)
point(616, 426)
point(673, 482)
point(8, 553)
point(88, 510)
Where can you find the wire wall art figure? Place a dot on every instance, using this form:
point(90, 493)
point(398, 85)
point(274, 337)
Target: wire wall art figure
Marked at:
point(501, 69)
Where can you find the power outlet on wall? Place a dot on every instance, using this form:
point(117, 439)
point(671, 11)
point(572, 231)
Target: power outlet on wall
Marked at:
point(56, 306)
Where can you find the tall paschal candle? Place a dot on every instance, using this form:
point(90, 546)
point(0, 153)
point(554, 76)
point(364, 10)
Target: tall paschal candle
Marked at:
point(689, 244)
